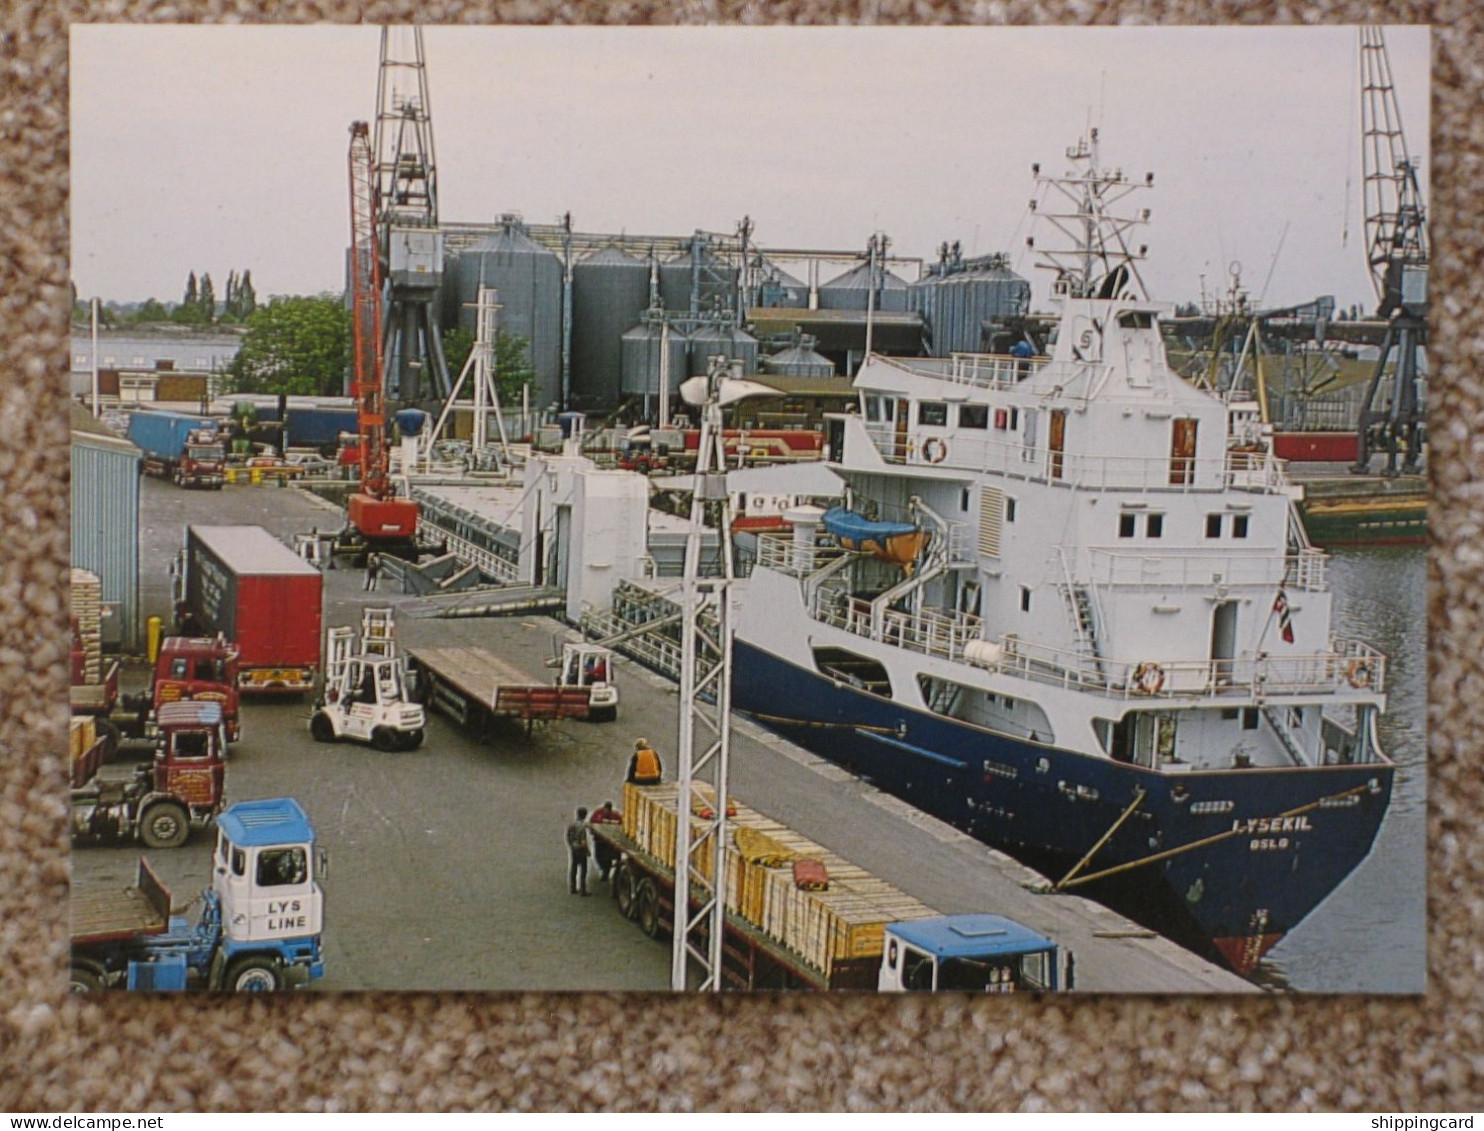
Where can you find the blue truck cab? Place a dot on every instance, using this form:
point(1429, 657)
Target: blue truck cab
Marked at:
point(259, 927)
point(975, 953)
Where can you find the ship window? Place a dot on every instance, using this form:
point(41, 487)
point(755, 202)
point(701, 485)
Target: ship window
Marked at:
point(1295, 717)
point(1239, 525)
point(932, 412)
point(1126, 525)
point(973, 416)
point(1014, 419)
point(1009, 509)
point(1154, 525)
point(963, 500)
point(1025, 599)
point(1213, 526)
point(1249, 718)
point(873, 409)
point(888, 408)
point(1136, 320)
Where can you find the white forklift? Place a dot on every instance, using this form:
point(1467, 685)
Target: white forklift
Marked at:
point(591, 666)
point(365, 697)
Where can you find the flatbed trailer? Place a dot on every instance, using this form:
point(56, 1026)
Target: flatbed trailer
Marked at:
point(114, 914)
point(644, 890)
point(474, 687)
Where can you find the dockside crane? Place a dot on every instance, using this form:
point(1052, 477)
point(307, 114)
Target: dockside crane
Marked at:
point(409, 243)
point(1393, 416)
point(378, 520)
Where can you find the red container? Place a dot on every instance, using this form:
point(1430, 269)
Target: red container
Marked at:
point(1315, 447)
point(264, 598)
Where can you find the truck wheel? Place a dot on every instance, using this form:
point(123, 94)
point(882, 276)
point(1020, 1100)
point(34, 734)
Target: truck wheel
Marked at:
point(321, 729)
point(254, 975)
point(385, 739)
point(623, 892)
point(412, 740)
point(85, 980)
point(165, 825)
point(647, 908)
point(603, 715)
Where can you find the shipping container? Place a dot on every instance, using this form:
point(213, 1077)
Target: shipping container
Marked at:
point(163, 434)
point(244, 583)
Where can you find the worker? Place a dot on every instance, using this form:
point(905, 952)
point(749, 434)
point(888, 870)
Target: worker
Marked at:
point(644, 766)
point(373, 570)
point(603, 853)
point(577, 849)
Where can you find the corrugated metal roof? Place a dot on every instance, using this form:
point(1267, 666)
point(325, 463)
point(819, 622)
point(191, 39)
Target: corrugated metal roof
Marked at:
point(252, 550)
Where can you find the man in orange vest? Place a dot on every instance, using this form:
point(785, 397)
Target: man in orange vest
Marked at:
point(644, 766)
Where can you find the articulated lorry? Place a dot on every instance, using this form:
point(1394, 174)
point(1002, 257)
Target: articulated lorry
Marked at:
point(188, 450)
point(258, 929)
point(181, 788)
point(798, 917)
point(243, 583)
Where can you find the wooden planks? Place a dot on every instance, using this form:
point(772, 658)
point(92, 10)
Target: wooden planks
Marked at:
point(87, 611)
point(824, 928)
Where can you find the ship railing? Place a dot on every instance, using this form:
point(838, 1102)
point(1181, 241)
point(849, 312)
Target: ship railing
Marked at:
point(1307, 570)
point(782, 553)
point(932, 633)
point(1350, 666)
point(994, 371)
point(963, 450)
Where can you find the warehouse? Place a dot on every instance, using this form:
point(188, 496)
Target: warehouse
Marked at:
point(105, 522)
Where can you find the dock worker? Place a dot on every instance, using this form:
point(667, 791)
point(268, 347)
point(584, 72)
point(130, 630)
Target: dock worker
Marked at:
point(644, 766)
point(577, 849)
point(373, 570)
point(603, 855)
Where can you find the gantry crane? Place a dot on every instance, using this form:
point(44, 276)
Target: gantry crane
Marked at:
point(409, 244)
point(1396, 250)
point(378, 521)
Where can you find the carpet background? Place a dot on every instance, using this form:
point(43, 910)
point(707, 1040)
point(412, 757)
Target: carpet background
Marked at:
point(639, 1052)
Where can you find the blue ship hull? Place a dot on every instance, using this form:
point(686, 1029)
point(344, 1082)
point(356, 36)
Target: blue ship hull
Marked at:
point(1223, 862)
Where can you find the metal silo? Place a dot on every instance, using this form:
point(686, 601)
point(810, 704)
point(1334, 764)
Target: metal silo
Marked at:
point(529, 280)
point(799, 361)
point(776, 288)
point(851, 291)
point(698, 280)
point(985, 291)
point(641, 350)
point(610, 290)
point(707, 342)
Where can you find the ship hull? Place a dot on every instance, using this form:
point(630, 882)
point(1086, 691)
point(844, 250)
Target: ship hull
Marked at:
point(1223, 862)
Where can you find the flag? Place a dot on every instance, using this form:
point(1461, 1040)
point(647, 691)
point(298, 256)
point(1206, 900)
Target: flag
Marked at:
point(1285, 622)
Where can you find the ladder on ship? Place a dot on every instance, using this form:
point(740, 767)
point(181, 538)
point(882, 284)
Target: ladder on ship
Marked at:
point(1083, 602)
point(1284, 735)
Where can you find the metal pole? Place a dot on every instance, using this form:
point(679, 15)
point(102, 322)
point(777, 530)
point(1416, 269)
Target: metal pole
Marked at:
point(95, 359)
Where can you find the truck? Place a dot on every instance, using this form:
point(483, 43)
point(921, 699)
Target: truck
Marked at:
point(242, 583)
point(798, 917)
point(317, 428)
point(259, 925)
point(365, 696)
point(475, 687)
point(158, 804)
point(186, 449)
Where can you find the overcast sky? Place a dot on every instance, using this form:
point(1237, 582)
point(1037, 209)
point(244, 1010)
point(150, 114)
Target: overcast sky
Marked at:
point(222, 148)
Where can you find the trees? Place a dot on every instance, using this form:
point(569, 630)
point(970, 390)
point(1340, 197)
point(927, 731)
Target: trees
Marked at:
point(294, 345)
point(511, 364)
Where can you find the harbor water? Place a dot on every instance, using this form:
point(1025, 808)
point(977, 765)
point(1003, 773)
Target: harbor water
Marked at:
point(1370, 935)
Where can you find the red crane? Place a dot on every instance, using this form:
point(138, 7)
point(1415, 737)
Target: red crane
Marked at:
point(381, 521)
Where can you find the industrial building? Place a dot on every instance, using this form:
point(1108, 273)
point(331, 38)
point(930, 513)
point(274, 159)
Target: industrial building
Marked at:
point(105, 522)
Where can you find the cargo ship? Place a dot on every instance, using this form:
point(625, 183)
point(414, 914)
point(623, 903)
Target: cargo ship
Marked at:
point(1068, 605)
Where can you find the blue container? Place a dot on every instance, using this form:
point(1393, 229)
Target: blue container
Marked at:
point(163, 434)
point(316, 427)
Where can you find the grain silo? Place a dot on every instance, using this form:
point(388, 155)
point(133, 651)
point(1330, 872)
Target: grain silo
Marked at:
point(641, 350)
point(852, 290)
point(610, 290)
point(776, 288)
point(722, 340)
point(968, 302)
point(528, 278)
point(698, 281)
point(799, 361)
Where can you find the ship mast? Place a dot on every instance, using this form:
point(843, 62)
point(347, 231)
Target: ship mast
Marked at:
point(1101, 262)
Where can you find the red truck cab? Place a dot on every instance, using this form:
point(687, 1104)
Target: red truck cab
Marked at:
point(190, 760)
point(199, 668)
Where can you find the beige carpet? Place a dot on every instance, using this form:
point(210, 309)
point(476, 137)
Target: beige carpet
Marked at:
point(646, 1052)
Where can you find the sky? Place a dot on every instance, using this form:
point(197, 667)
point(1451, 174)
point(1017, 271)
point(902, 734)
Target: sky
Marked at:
point(213, 149)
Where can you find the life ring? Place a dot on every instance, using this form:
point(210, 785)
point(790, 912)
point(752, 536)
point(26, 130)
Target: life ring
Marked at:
point(934, 450)
point(1358, 673)
point(1149, 678)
